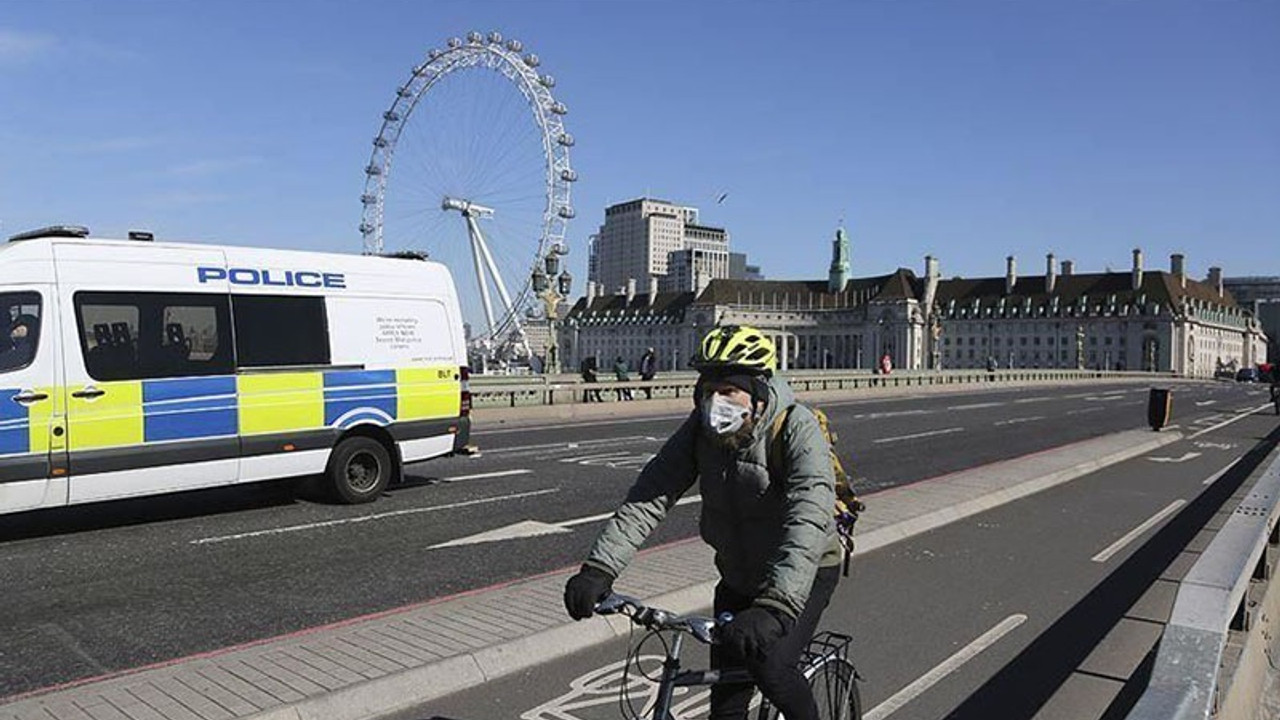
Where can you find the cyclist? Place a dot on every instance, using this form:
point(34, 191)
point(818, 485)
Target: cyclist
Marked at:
point(775, 542)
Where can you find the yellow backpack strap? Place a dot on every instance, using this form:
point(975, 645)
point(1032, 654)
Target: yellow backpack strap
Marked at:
point(773, 455)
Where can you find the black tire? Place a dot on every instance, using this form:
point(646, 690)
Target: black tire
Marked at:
point(360, 468)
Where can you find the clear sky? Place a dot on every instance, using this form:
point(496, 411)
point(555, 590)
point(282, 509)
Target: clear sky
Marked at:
point(969, 130)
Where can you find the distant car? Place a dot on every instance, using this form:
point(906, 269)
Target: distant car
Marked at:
point(1247, 375)
point(1225, 374)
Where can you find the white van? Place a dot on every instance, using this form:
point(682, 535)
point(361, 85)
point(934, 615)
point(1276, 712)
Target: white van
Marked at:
point(132, 367)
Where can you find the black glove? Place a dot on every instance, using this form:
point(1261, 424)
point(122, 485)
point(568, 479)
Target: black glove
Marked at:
point(584, 590)
point(753, 631)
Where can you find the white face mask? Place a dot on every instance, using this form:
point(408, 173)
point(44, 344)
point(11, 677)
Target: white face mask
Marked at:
point(723, 416)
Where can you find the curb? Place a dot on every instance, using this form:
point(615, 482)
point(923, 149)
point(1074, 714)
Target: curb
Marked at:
point(401, 691)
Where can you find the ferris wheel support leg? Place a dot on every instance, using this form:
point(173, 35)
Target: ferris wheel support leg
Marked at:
point(493, 270)
point(476, 253)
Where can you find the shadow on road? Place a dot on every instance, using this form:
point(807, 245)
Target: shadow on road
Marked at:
point(138, 511)
point(1025, 684)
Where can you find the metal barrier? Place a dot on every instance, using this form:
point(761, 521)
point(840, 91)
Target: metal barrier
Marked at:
point(506, 391)
point(1211, 602)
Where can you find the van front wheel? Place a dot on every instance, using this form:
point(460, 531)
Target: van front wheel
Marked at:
point(360, 468)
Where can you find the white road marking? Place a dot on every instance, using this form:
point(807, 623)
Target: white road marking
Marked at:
point(890, 414)
point(1214, 477)
point(1133, 534)
point(1244, 413)
point(975, 406)
point(919, 435)
point(479, 476)
point(366, 518)
point(1202, 403)
point(1033, 399)
point(1016, 421)
point(536, 528)
point(1103, 398)
point(569, 445)
point(585, 423)
point(597, 456)
point(1185, 457)
point(945, 668)
point(1085, 410)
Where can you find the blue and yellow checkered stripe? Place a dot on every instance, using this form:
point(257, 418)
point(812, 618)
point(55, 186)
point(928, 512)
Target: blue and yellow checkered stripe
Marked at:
point(23, 429)
point(138, 412)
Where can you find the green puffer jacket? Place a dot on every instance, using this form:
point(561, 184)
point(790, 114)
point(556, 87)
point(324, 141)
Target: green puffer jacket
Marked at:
point(770, 535)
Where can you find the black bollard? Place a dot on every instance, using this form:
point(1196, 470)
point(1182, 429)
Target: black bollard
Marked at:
point(1159, 407)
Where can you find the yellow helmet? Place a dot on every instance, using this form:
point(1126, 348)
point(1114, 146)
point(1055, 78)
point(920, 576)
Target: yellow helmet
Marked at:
point(737, 347)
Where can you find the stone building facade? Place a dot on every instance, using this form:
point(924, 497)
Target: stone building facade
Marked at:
point(1136, 320)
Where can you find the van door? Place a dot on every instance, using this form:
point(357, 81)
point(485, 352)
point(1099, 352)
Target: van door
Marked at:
point(31, 407)
point(151, 404)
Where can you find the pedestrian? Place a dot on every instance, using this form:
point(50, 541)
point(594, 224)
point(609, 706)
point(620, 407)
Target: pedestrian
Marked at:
point(621, 374)
point(590, 374)
point(766, 513)
point(648, 370)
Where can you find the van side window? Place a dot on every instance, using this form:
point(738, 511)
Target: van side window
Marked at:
point(140, 336)
point(20, 333)
point(280, 331)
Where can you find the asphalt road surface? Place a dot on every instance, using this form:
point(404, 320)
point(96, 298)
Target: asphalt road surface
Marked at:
point(982, 618)
point(106, 587)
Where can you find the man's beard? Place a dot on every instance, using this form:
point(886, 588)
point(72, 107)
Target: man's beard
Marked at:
point(739, 438)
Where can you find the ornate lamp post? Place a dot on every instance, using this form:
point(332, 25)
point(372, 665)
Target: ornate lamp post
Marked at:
point(552, 286)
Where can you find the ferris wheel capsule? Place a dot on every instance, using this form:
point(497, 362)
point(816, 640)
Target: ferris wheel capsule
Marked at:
point(515, 45)
point(474, 37)
point(548, 81)
point(569, 175)
point(532, 60)
point(434, 53)
point(495, 37)
point(455, 43)
point(559, 108)
point(565, 139)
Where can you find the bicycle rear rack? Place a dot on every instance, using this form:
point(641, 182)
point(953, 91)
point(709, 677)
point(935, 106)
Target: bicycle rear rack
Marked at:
point(824, 646)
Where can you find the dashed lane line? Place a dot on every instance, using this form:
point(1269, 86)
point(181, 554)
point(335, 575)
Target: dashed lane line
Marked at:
point(913, 436)
point(945, 668)
point(1018, 421)
point(367, 518)
point(481, 476)
point(1133, 534)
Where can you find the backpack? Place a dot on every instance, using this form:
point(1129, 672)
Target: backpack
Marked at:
point(848, 506)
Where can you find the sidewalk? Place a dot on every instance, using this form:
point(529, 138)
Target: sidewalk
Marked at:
point(381, 663)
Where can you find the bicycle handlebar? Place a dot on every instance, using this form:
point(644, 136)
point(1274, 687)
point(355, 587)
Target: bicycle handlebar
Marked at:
point(703, 629)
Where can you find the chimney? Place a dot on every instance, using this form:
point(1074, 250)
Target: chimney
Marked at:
point(653, 288)
point(1068, 268)
point(1010, 275)
point(631, 290)
point(1215, 279)
point(1137, 268)
point(1050, 274)
point(1177, 266)
point(591, 291)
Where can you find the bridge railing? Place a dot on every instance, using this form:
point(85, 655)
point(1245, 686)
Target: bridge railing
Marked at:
point(516, 391)
point(1213, 603)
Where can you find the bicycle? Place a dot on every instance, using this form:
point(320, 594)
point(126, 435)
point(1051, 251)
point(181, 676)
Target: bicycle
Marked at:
point(824, 663)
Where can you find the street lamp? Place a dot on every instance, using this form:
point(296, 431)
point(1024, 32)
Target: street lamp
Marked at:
point(552, 286)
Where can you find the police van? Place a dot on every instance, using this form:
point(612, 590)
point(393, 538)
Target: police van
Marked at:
point(134, 367)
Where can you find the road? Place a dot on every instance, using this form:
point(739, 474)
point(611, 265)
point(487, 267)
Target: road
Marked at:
point(102, 588)
point(997, 616)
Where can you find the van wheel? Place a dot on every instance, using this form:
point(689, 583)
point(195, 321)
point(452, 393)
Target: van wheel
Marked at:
point(360, 468)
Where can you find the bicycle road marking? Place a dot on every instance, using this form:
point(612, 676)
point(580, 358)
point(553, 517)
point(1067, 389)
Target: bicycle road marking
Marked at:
point(1242, 414)
point(945, 668)
point(366, 518)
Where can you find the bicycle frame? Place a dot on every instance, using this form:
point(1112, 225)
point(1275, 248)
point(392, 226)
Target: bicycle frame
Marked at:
point(823, 648)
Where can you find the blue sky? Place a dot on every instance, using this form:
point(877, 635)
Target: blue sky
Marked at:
point(969, 130)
